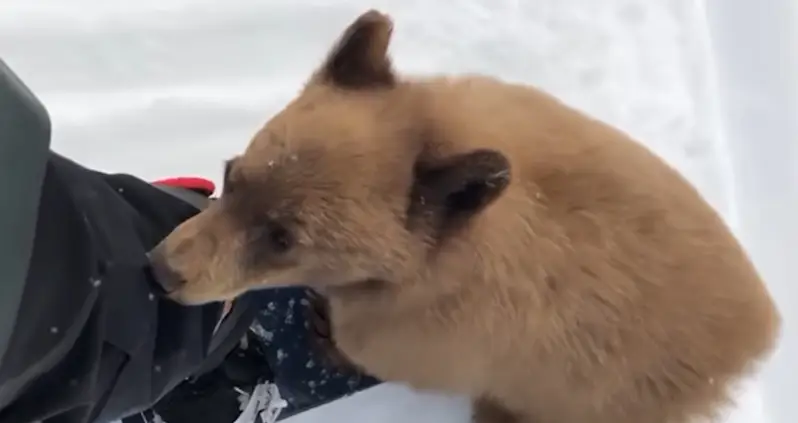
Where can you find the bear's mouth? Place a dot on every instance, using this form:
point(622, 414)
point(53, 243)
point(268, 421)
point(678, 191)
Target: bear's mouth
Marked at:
point(154, 285)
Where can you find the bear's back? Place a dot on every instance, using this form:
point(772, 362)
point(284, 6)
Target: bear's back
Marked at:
point(629, 278)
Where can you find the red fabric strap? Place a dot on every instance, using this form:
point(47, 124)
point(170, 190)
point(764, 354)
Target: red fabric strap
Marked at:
point(201, 185)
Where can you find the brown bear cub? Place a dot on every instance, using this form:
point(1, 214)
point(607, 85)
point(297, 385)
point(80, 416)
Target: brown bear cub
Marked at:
point(481, 238)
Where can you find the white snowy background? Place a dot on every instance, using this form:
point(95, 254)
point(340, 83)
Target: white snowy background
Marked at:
point(172, 87)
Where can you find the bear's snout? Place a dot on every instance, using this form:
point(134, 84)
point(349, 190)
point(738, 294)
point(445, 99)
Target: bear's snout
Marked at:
point(166, 278)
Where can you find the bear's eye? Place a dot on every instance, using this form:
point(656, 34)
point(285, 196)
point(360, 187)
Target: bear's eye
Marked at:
point(280, 238)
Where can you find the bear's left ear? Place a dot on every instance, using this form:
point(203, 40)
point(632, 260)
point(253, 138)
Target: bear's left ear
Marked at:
point(447, 193)
point(359, 58)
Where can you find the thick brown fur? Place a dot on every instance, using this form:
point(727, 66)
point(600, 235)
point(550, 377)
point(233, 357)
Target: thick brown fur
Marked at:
point(481, 238)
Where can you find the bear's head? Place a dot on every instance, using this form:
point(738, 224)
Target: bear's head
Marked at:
point(345, 186)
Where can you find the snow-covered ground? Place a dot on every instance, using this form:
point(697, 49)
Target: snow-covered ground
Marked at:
point(172, 87)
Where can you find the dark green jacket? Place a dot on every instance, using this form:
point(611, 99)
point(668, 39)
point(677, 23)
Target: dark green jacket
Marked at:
point(24, 147)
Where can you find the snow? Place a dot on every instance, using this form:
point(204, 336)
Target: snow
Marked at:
point(171, 87)
point(756, 45)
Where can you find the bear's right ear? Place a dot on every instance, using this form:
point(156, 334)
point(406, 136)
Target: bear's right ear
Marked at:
point(359, 58)
point(448, 192)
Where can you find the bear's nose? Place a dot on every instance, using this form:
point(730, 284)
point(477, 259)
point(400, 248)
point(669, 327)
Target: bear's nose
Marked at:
point(165, 277)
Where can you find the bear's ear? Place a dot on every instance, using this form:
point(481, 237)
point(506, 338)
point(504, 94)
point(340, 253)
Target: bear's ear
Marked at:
point(448, 192)
point(359, 58)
